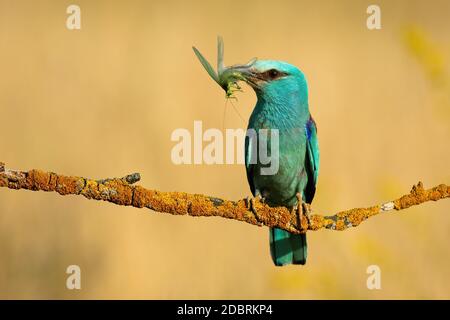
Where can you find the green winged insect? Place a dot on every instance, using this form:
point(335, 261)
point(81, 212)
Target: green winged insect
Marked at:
point(226, 77)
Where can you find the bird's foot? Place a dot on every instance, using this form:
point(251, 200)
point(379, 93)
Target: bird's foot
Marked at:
point(303, 209)
point(307, 211)
point(251, 204)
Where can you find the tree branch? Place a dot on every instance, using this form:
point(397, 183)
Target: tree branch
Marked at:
point(121, 191)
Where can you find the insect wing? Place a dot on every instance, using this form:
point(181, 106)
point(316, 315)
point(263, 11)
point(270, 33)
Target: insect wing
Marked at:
point(206, 65)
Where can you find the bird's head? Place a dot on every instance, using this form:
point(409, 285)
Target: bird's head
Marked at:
point(275, 80)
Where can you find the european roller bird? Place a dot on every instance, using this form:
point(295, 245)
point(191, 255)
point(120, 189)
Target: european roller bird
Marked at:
point(282, 104)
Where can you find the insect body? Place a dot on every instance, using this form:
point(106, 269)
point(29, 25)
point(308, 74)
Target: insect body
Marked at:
point(226, 77)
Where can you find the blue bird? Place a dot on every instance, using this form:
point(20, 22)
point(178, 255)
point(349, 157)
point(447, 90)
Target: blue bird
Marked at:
point(282, 104)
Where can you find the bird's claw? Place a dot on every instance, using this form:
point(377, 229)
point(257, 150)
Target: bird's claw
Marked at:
point(307, 211)
point(303, 208)
point(251, 204)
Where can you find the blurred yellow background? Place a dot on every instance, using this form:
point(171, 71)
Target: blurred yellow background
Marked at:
point(103, 101)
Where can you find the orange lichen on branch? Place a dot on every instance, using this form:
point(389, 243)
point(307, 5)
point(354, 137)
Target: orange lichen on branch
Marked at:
point(419, 195)
point(122, 191)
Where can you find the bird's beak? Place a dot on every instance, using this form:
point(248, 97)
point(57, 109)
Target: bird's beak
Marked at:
point(247, 73)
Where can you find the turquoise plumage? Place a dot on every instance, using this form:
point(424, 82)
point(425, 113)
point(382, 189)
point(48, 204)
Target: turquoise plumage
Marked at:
point(282, 104)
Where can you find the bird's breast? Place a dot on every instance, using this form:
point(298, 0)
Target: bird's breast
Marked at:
point(281, 187)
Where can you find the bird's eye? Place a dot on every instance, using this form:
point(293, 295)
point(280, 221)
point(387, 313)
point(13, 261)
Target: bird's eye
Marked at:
point(273, 73)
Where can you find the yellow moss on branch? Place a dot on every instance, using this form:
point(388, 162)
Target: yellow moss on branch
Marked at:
point(419, 195)
point(122, 191)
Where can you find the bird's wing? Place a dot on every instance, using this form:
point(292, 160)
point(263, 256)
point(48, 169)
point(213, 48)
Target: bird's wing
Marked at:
point(312, 159)
point(249, 153)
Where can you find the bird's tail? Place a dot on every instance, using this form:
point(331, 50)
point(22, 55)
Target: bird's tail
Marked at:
point(287, 248)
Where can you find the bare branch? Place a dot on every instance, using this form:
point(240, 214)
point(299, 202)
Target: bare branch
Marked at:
point(121, 191)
